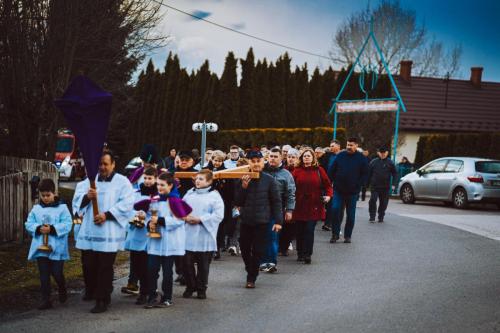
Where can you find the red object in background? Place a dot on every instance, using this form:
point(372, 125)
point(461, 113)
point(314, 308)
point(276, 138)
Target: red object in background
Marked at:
point(66, 146)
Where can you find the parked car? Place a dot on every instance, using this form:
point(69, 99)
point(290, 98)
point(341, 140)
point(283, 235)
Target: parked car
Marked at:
point(131, 166)
point(456, 180)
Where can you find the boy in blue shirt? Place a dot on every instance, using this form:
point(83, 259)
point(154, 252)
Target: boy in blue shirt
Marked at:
point(49, 223)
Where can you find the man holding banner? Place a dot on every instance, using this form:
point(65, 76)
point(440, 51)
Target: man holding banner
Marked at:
point(102, 235)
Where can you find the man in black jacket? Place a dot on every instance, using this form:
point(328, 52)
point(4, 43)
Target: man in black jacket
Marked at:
point(259, 201)
point(379, 178)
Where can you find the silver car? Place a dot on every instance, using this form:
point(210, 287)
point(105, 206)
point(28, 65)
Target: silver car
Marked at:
point(456, 180)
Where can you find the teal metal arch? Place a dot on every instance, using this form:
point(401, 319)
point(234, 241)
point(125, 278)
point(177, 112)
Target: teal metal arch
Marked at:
point(401, 105)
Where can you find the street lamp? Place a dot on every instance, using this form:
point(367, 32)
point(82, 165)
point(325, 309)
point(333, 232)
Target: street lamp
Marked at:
point(204, 128)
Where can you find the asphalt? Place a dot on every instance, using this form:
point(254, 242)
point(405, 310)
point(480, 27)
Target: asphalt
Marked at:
point(403, 275)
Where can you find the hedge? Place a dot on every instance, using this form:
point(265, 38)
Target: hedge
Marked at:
point(252, 137)
point(484, 145)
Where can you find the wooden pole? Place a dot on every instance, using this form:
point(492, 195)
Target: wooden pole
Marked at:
point(95, 207)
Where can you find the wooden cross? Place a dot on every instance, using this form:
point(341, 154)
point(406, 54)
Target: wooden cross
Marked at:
point(235, 173)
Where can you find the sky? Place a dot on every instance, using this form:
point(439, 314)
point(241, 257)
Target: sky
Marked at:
point(311, 24)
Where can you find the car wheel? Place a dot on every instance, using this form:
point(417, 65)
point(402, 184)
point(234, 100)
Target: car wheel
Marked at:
point(460, 199)
point(407, 194)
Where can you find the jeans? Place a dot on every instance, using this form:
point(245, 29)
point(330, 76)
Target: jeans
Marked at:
point(305, 238)
point(329, 213)
point(48, 267)
point(253, 246)
point(349, 201)
point(139, 269)
point(271, 255)
point(197, 278)
point(100, 268)
point(166, 263)
point(383, 196)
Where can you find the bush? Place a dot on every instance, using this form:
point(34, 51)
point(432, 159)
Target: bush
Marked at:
point(252, 137)
point(484, 145)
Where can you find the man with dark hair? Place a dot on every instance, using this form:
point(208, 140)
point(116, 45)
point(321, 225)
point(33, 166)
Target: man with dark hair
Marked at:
point(381, 170)
point(349, 172)
point(102, 235)
point(326, 162)
point(259, 201)
point(170, 159)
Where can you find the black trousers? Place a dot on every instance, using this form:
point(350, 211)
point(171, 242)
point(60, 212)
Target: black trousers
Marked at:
point(382, 195)
point(179, 265)
point(85, 258)
point(100, 274)
point(197, 278)
point(305, 238)
point(139, 269)
point(253, 242)
point(287, 235)
point(48, 268)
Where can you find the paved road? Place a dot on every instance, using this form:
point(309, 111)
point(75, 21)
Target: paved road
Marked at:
point(405, 275)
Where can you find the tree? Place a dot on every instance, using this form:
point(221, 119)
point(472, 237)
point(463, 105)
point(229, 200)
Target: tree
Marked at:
point(248, 110)
point(400, 38)
point(228, 102)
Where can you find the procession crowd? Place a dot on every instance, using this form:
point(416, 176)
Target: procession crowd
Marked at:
point(171, 222)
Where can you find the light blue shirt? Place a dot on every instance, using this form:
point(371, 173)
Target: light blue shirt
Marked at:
point(173, 234)
point(59, 217)
point(116, 197)
point(230, 164)
point(209, 207)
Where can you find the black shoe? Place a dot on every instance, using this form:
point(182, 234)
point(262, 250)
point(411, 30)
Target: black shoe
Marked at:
point(326, 228)
point(201, 295)
point(300, 258)
point(334, 239)
point(150, 304)
point(380, 220)
point(63, 296)
point(347, 240)
point(45, 305)
point(307, 260)
point(87, 296)
point(141, 300)
point(181, 280)
point(187, 294)
point(100, 307)
point(372, 220)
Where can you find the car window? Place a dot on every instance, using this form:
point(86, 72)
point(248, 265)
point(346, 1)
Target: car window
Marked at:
point(488, 166)
point(435, 167)
point(454, 166)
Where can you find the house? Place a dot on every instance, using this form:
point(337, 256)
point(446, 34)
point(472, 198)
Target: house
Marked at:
point(444, 106)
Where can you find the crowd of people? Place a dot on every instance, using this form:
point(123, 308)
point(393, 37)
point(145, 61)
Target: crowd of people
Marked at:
point(173, 223)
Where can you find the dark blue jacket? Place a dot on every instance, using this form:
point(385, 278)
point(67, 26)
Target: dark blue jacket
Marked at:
point(349, 172)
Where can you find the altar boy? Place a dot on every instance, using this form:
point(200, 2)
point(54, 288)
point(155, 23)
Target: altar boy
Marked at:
point(52, 218)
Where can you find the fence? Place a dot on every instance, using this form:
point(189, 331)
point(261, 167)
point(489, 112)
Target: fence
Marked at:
point(16, 193)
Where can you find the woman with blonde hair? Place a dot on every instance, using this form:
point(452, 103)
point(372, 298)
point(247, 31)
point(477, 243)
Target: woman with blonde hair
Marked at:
point(313, 191)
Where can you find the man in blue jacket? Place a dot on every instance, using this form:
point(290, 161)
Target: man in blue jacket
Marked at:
point(349, 172)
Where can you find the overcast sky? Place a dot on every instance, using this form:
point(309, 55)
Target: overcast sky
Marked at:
point(310, 25)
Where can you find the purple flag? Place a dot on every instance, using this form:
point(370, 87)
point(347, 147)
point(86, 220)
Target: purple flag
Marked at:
point(87, 109)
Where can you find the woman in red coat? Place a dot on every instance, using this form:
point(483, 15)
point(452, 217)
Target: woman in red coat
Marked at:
point(313, 191)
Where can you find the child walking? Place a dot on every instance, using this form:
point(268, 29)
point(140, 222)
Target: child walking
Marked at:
point(201, 233)
point(167, 239)
point(49, 223)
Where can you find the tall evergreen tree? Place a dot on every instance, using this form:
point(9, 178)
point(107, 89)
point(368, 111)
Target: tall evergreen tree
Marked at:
point(228, 114)
point(248, 111)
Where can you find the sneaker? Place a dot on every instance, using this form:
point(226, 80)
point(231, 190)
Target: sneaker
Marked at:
point(141, 300)
point(347, 240)
point(290, 248)
point(201, 295)
point(326, 228)
point(150, 304)
point(164, 304)
point(264, 267)
point(232, 251)
point(45, 305)
point(131, 289)
point(272, 268)
point(334, 239)
point(187, 294)
point(372, 220)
